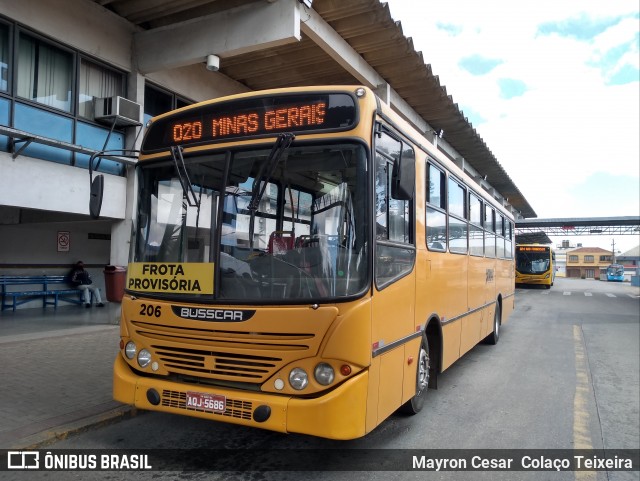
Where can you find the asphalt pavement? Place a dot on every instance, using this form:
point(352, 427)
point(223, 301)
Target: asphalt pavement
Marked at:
point(56, 373)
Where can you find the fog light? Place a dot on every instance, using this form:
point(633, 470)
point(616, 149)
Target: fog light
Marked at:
point(144, 358)
point(130, 350)
point(324, 373)
point(298, 379)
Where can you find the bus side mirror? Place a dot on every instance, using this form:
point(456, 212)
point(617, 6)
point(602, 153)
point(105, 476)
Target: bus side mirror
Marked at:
point(403, 177)
point(95, 197)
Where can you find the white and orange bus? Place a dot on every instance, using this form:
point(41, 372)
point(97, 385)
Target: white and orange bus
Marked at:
point(304, 261)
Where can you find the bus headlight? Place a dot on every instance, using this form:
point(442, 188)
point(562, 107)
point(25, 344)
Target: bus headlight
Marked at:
point(298, 378)
point(144, 358)
point(324, 374)
point(130, 350)
point(547, 276)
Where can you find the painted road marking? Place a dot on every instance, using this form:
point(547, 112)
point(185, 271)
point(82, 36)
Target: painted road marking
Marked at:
point(581, 434)
point(611, 295)
point(566, 293)
point(588, 294)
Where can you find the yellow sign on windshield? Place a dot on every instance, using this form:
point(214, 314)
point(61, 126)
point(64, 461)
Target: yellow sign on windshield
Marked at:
point(173, 278)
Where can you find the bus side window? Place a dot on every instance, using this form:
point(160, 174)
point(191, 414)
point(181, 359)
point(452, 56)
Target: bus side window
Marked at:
point(436, 221)
point(500, 249)
point(457, 217)
point(476, 232)
point(490, 231)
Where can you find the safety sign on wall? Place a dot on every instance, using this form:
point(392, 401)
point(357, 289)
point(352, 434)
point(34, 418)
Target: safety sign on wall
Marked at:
point(64, 241)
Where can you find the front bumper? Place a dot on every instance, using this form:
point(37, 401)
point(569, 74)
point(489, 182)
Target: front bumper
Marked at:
point(338, 414)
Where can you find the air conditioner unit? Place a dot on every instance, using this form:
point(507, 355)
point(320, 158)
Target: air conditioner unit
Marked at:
point(123, 111)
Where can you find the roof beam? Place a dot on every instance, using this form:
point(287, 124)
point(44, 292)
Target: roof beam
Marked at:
point(236, 31)
point(323, 35)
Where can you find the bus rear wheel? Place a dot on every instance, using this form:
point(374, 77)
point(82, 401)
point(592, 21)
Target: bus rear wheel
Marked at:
point(416, 403)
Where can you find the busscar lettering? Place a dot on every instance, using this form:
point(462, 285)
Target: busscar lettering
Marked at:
point(213, 314)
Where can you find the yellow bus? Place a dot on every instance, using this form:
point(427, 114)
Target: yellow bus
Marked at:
point(304, 261)
point(535, 265)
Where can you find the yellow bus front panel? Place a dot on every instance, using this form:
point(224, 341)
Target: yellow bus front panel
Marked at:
point(333, 415)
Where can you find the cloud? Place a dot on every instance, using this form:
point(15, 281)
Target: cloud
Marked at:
point(581, 27)
point(551, 87)
point(449, 28)
point(478, 65)
point(510, 88)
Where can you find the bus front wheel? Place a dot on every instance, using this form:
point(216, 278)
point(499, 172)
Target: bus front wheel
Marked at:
point(416, 403)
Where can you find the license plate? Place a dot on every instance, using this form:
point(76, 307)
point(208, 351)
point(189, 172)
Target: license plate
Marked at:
point(201, 401)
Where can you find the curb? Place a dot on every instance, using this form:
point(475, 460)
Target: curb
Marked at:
point(60, 433)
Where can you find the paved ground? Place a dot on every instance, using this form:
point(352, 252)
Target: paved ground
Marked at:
point(55, 366)
point(56, 371)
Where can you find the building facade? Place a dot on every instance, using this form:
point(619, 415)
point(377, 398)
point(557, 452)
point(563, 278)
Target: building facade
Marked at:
point(587, 262)
point(81, 76)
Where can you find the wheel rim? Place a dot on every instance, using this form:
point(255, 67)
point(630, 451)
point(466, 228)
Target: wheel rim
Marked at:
point(423, 370)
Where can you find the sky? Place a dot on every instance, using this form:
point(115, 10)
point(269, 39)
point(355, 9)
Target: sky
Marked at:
point(553, 89)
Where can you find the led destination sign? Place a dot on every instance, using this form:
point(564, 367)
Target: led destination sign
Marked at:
point(255, 117)
point(532, 249)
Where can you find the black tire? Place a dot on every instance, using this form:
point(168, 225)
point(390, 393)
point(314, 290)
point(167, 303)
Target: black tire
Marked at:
point(494, 337)
point(416, 403)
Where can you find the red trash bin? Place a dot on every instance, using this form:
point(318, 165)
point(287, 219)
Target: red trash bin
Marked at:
point(114, 281)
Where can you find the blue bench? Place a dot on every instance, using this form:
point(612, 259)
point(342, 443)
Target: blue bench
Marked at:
point(17, 290)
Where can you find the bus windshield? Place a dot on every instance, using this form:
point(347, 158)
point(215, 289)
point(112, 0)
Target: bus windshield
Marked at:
point(287, 227)
point(615, 270)
point(533, 262)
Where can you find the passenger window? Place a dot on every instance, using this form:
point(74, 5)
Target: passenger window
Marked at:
point(435, 184)
point(500, 242)
point(457, 217)
point(476, 232)
point(490, 229)
point(456, 199)
point(436, 221)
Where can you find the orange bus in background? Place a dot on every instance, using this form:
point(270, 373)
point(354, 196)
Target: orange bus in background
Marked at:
point(304, 261)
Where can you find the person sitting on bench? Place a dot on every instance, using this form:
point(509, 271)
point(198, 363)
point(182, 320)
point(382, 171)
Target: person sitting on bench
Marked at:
point(81, 279)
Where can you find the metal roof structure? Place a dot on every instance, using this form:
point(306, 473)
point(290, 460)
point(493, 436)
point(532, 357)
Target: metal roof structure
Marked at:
point(532, 238)
point(373, 40)
point(579, 226)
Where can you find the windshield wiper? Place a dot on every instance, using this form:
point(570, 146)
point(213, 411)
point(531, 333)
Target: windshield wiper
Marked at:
point(183, 177)
point(266, 171)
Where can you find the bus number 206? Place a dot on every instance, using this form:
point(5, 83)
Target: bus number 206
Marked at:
point(150, 310)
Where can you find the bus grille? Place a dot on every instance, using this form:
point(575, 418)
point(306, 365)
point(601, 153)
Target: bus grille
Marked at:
point(235, 408)
point(232, 356)
point(215, 364)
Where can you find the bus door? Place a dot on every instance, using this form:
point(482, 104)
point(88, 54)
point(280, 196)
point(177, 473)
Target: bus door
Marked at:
point(393, 302)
